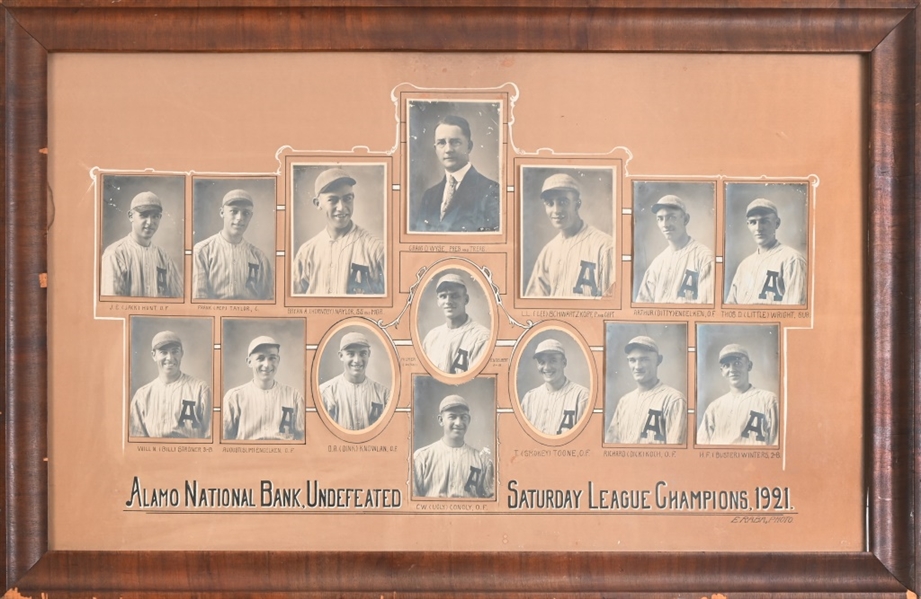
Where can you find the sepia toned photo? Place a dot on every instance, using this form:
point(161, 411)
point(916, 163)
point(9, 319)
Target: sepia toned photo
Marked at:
point(142, 236)
point(338, 225)
point(766, 243)
point(454, 439)
point(263, 379)
point(171, 372)
point(554, 382)
point(455, 166)
point(646, 383)
point(738, 382)
point(233, 232)
point(567, 225)
point(674, 234)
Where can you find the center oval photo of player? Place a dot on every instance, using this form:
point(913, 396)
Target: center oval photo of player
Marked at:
point(553, 381)
point(454, 321)
point(355, 380)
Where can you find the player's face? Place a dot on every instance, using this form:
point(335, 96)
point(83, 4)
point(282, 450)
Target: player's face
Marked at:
point(452, 147)
point(236, 219)
point(736, 370)
point(144, 223)
point(673, 223)
point(264, 362)
point(454, 423)
point(562, 206)
point(168, 359)
point(452, 299)
point(337, 203)
point(644, 365)
point(355, 359)
point(552, 366)
point(763, 228)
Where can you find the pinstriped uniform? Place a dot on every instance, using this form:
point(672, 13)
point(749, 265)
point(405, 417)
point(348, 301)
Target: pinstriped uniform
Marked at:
point(130, 269)
point(748, 418)
point(456, 350)
point(551, 411)
point(777, 274)
point(581, 266)
point(350, 265)
point(675, 275)
point(234, 271)
point(181, 408)
point(658, 415)
point(354, 406)
point(440, 470)
point(255, 414)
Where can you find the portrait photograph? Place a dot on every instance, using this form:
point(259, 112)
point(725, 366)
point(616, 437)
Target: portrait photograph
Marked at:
point(674, 237)
point(554, 383)
point(567, 231)
point(263, 380)
point(455, 182)
point(454, 438)
point(738, 384)
point(171, 374)
point(767, 243)
point(355, 378)
point(646, 383)
point(454, 322)
point(142, 236)
point(338, 229)
point(233, 236)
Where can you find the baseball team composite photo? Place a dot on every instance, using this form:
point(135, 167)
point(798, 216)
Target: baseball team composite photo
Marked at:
point(446, 315)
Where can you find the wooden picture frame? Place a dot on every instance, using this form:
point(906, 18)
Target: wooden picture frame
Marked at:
point(884, 32)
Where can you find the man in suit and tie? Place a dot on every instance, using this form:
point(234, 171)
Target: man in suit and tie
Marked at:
point(464, 201)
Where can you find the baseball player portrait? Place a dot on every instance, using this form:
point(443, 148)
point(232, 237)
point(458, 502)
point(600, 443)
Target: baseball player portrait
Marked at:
point(460, 343)
point(263, 409)
point(748, 414)
point(453, 465)
point(342, 258)
point(227, 265)
point(775, 272)
point(578, 262)
point(174, 404)
point(352, 399)
point(135, 266)
point(653, 412)
point(559, 403)
point(683, 271)
point(459, 199)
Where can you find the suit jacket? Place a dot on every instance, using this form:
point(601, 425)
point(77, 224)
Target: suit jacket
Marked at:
point(474, 209)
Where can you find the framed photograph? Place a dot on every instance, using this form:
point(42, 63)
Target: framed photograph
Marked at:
point(801, 115)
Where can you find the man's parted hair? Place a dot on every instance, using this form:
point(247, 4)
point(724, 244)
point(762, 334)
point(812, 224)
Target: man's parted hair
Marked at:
point(457, 121)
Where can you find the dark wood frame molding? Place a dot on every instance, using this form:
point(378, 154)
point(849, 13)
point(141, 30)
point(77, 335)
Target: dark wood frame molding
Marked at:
point(884, 32)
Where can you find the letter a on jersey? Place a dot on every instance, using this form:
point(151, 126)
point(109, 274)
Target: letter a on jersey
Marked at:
point(188, 413)
point(655, 424)
point(252, 276)
point(161, 281)
point(359, 279)
point(586, 277)
point(461, 361)
point(688, 289)
point(773, 284)
point(569, 421)
point(755, 425)
point(473, 481)
point(287, 420)
point(377, 409)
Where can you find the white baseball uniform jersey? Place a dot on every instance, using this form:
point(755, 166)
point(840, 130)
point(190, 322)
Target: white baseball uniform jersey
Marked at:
point(440, 470)
point(354, 406)
point(679, 276)
point(774, 276)
point(748, 418)
point(254, 414)
point(350, 265)
point(456, 350)
point(233, 271)
point(581, 266)
point(130, 269)
point(659, 415)
point(178, 409)
point(555, 411)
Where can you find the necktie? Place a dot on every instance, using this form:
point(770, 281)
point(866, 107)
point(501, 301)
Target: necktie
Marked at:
point(450, 186)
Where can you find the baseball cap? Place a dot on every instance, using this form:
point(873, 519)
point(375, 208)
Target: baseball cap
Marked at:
point(761, 205)
point(560, 181)
point(453, 401)
point(237, 196)
point(641, 342)
point(164, 338)
point(450, 279)
point(549, 345)
point(146, 200)
point(353, 339)
point(669, 201)
point(732, 350)
point(263, 340)
point(330, 176)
